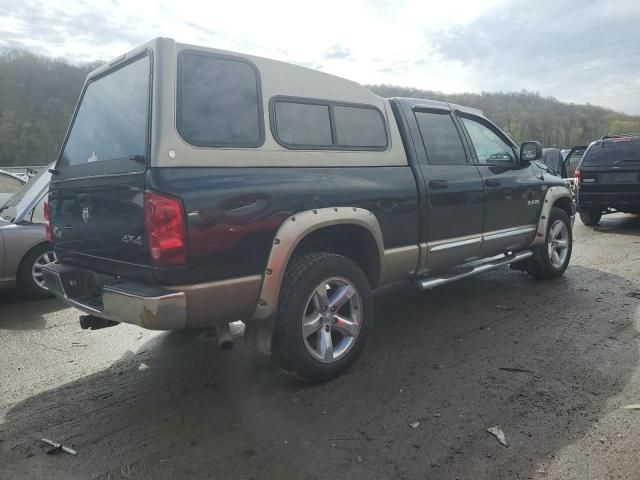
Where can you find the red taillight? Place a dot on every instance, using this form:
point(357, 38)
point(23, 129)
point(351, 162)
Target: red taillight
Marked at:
point(578, 176)
point(166, 229)
point(47, 217)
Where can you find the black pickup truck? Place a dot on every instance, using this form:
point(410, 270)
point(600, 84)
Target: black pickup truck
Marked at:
point(198, 187)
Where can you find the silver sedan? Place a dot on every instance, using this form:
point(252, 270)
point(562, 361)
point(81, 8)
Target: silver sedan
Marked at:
point(24, 247)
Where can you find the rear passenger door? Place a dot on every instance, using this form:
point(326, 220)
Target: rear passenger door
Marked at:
point(454, 191)
point(512, 190)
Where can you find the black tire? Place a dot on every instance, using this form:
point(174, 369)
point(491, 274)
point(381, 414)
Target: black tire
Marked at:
point(541, 264)
point(27, 285)
point(590, 217)
point(303, 275)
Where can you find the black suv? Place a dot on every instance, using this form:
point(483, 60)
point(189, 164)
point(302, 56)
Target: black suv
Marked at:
point(608, 178)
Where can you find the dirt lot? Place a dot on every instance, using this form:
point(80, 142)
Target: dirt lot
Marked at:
point(139, 404)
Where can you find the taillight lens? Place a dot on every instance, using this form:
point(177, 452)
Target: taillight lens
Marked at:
point(578, 176)
point(166, 229)
point(47, 217)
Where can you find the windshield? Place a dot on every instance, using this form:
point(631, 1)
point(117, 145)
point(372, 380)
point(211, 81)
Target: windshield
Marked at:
point(25, 196)
point(617, 151)
point(111, 122)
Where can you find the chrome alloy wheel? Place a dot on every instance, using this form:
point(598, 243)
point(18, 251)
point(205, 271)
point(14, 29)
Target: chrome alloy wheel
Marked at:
point(36, 269)
point(558, 243)
point(332, 319)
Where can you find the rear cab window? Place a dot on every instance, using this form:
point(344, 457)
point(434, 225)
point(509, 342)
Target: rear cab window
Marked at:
point(110, 131)
point(624, 152)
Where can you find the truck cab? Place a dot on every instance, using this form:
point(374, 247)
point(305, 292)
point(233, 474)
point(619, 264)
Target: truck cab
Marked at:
point(197, 187)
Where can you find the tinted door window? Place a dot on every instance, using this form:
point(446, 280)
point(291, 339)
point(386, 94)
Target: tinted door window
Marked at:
point(441, 138)
point(303, 124)
point(111, 123)
point(359, 127)
point(490, 148)
point(218, 101)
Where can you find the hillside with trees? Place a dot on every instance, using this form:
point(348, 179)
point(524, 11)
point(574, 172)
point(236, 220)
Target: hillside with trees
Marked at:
point(38, 95)
point(37, 98)
point(529, 116)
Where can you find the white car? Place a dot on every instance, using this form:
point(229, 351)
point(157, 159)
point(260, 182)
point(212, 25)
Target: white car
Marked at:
point(24, 247)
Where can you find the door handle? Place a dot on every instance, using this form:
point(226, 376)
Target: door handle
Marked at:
point(438, 184)
point(490, 182)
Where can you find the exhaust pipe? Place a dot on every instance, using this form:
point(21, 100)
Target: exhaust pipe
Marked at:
point(225, 340)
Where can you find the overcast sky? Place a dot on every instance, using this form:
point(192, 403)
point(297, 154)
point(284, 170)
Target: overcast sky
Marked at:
point(575, 50)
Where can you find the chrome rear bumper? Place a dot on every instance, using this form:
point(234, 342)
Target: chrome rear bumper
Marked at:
point(153, 307)
point(105, 297)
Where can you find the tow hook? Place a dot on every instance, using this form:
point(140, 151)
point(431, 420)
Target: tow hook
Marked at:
point(90, 322)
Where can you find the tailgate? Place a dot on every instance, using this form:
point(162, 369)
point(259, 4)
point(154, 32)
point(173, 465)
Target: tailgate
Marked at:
point(96, 194)
point(606, 179)
point(100, 218)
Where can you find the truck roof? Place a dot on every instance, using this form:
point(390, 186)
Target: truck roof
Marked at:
point(283, 77)
point(428, 103)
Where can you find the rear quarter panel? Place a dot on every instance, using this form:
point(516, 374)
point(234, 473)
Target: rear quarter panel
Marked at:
point(234, 213)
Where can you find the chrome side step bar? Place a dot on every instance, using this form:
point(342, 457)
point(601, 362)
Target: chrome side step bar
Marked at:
point(425, 283)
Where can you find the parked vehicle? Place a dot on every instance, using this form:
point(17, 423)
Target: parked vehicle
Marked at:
point(9, 184)
point(608, 178)
point(223, 186)
point(572, 160)
point(24, 247)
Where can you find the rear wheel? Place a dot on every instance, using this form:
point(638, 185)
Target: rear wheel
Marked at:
point(30, 277)
point(324, 315)
point(591, 216)
point(552, 259)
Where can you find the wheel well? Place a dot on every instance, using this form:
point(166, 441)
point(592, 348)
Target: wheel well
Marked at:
point(565, 204)
point(352, 241)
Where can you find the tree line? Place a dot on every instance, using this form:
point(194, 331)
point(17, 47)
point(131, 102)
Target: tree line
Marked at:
point(529, 116)
point(38, 95)
point(37, 98)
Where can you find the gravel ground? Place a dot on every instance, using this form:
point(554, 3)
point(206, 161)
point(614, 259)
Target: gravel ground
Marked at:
point(551, 363)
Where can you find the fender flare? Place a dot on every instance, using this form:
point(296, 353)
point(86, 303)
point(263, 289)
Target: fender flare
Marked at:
point(290, 234)
point(552, 195)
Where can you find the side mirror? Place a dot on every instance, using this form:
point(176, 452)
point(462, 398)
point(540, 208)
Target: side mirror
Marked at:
point(530, 151)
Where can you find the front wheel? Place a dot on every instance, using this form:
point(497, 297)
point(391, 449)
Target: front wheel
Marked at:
point(324, 315)
point(552, 259)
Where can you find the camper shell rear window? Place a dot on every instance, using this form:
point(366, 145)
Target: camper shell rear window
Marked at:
point(111, 125)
